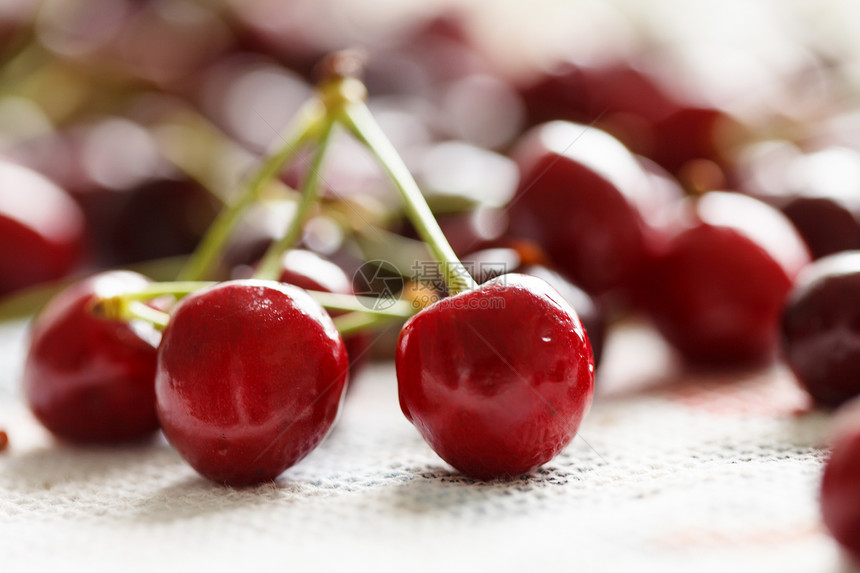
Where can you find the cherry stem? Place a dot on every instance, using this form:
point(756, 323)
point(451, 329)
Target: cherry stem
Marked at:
point(360, 321)
point(155, 290)
point(126, 309)
point(357, 118)
point(129, 306)
point(363, 304)
point(138, 310)
point(305, 129)
point(270, 266)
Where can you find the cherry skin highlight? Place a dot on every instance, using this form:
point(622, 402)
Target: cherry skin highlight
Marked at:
point(490, 263)
point(498, 379)
point(89, 379)
point(821, 329)
point(840, 492)
point(717, 289)
point(250, 378)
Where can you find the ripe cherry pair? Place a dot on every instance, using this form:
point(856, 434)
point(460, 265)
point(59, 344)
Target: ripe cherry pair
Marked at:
point(249, 375)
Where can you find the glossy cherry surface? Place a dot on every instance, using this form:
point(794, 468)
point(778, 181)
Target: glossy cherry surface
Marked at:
point(41, 229)
point(250, 379)
point(716, 291)
point(88, 379)
point(840, 491)
point(312, 272)
point(490, 263)
point(498, 379)
point(579, 198)
point(821, 329)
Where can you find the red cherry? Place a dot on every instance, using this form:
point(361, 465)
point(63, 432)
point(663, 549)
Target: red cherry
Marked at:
point(41, 229)
point(498, 379)
point(820, 334)
point(717, 291)
point(619, 90)
point(88, 379)
point(840, 492)
point(250, 378)
point(580, 199)
point(310, 271)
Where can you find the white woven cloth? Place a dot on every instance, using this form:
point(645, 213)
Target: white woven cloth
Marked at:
point(670, 473)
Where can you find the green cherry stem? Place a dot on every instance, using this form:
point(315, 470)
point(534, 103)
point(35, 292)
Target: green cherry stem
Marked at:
point(128, 306)
point(178, 289)
point(360, 122)
point(305, 129)
point(270, 266)
point(362, 305)
point(138, 310)
point(360, 321)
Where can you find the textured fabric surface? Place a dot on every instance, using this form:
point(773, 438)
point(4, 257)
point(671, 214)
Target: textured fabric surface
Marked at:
point(671, 472)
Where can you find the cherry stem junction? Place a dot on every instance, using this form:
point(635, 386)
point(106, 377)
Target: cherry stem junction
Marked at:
point(356, 117)
point(305, 129)
point(270, 265)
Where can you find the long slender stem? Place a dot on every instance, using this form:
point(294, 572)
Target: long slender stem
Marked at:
point(155, 290)
point(359, 321)
point(117, 306)
point(304, 130)
point(138, 310)
point(362, 304)
point(358, 119)
point(270, 265)
point(126, 309)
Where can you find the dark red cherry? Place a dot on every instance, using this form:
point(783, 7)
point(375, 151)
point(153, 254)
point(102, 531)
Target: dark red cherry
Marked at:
point(163, 217)
point(579, 199)
point(498, 379)
point(717, 290)
point(89, 379)
point(828, 225)
point(691, 133)
point(620, 92)
point(819, 191)
point(489, 263)
point(840, 491)
point(437, 52)
point(41, 229)
point(250, 378)
point(633, 101)
point(312, 272)
point(136, 205)
point(821, 329)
